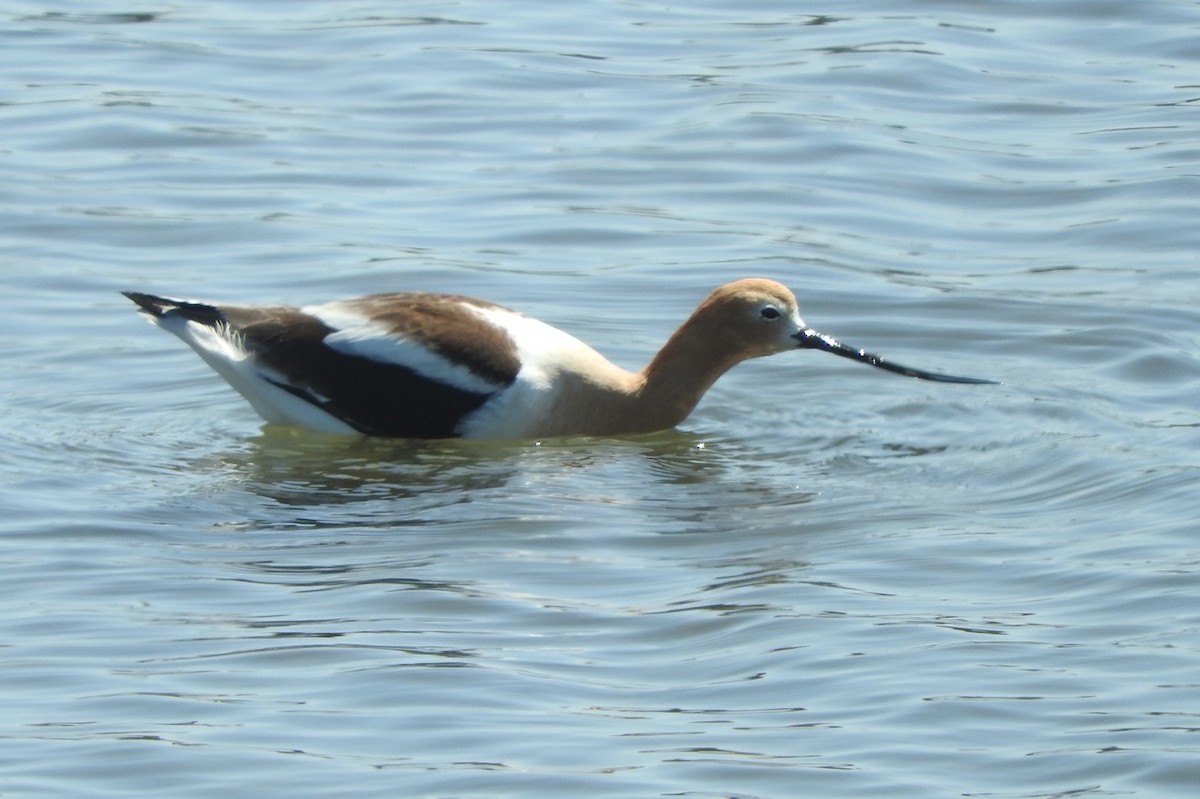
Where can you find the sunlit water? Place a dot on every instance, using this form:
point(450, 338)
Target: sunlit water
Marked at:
point(829, 582)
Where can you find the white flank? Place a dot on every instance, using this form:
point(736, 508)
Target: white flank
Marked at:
point(223, 351)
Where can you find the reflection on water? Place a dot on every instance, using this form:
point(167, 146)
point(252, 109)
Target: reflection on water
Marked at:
point(386, 483)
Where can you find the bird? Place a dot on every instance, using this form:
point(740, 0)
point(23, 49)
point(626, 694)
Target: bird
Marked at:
point(426, 365)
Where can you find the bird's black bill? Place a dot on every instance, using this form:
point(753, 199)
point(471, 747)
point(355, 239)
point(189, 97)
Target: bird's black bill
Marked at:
point(811, 339)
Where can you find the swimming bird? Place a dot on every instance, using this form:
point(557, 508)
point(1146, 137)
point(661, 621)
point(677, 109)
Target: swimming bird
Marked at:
point(418, 365)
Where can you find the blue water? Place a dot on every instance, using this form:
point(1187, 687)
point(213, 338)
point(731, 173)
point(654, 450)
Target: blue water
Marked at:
point(829, 582)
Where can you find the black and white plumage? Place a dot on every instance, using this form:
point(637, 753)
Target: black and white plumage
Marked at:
point(417, 365)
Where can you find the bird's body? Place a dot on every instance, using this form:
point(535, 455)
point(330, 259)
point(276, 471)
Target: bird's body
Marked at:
point(416, 365)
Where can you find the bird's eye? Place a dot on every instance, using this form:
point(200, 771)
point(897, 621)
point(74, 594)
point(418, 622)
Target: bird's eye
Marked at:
point(770, 313)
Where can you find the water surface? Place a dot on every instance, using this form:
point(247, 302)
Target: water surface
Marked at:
point(830, 581)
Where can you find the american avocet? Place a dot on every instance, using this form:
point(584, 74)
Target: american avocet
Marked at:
point(442, 365)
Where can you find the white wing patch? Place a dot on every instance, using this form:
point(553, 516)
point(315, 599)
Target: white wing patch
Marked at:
point(545, 353)
point(358, 335)
point(543, 350)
